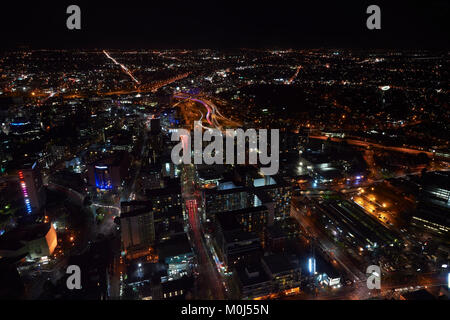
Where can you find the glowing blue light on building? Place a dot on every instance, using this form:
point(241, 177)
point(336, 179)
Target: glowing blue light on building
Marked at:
point(312, 265)
point(102, 178)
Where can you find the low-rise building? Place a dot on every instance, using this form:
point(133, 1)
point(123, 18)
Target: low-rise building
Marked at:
point(36, 241)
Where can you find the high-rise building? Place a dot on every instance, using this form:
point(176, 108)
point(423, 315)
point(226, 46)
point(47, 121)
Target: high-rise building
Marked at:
point(166, 198)
point(155, 125)
point(30, 181)
point(177, 255)
point(279, 191)
point(137, 232)
point(252, 281)
point(281, 234)
point(252, 219)
point(234, 243)
point(216, 200)
point(272, 191)
point(285, 276)
point(109, 173)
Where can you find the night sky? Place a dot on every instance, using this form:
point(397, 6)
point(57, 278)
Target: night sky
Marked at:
point(225, 24)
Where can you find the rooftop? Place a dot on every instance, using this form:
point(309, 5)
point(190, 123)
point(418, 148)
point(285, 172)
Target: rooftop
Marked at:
point(14, 239)
point(251, 274)
point(278, 263)
point(175, 246)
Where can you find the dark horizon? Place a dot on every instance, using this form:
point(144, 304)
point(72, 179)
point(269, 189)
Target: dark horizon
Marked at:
point(324, 24)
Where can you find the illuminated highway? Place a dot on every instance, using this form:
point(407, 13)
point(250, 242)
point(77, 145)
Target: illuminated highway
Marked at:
point(192, 113)
point(124, 68)
point(288, 82)
point(209, 277)
point(365, 144)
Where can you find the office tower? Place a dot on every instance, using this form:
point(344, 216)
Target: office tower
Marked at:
point(155, 125)
point(30, 181)
point(137, 232)
point(110, 172)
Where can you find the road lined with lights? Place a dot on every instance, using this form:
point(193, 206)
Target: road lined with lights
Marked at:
point(213, 116)
point(124, 68)
point(294, 76)
point(366, 144)
point(207, 270)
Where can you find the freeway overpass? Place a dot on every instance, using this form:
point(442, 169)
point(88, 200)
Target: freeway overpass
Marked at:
point(366, 144)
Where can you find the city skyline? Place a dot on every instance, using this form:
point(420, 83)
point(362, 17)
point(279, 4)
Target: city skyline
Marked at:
point(225, 157)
